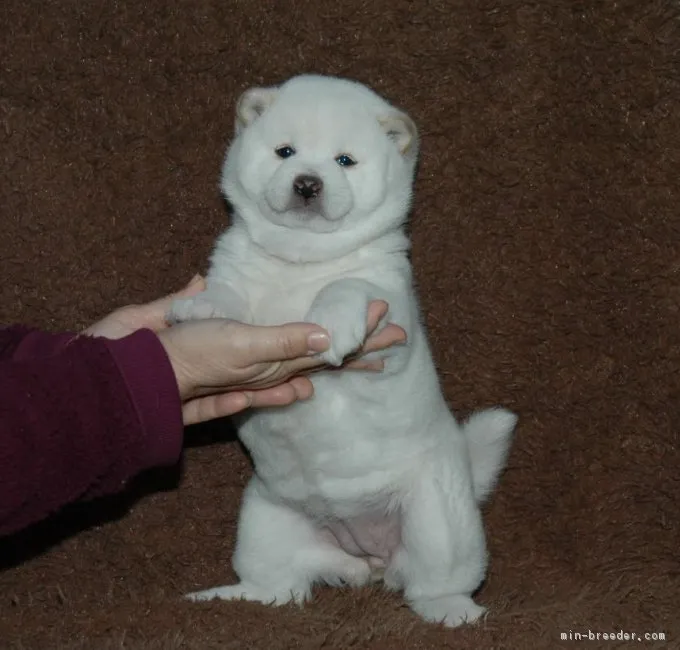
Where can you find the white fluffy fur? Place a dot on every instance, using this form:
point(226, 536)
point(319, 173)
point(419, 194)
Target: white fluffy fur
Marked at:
point(365, 443)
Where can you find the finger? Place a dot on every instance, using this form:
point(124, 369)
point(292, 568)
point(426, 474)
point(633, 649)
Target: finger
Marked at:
point(154, 312)
point(211, 407)
point(299, 367)
point(281, 372)
point(388, 336)
point(299, 388)
point(376, 312)
point(391, 335)
point(196, 285)
point(285, 342)
point(304, 388)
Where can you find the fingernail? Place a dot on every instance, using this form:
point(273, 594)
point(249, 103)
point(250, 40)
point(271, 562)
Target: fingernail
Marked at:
point(318, 342)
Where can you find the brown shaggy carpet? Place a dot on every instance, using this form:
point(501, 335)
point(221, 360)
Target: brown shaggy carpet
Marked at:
point(547, 250)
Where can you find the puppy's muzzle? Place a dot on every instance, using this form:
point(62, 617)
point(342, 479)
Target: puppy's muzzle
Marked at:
point(308, 187)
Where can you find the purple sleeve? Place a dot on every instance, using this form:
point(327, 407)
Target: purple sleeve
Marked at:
point(79, 416)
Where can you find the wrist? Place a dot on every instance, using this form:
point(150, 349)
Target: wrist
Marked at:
point(179, 367)
point(149, 377)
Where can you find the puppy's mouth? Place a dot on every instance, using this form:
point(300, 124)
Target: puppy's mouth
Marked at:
point(306, 201)
point(304, 216)
point(306, 196)
point(305, 208)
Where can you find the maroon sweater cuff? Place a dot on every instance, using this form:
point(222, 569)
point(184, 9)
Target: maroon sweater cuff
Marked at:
point(79, 417)
point(150, 380)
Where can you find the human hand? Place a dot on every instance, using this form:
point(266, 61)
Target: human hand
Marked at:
point(223, 367)
point(129, 319)
point(263, 364)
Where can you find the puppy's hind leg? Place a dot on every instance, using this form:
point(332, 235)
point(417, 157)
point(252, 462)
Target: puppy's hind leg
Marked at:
point(442, 557)
point(280, 554)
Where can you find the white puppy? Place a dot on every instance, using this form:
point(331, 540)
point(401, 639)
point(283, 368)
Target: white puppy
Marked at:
point(372, 477)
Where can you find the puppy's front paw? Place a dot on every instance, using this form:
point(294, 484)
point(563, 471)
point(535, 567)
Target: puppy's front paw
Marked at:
point(346, 325)
point(198, 308)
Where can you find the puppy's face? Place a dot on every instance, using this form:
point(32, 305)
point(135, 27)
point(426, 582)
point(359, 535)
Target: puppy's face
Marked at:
point(317, 156)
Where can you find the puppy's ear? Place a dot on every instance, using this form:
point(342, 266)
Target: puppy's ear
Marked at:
point(402, 129)
point(252, 103)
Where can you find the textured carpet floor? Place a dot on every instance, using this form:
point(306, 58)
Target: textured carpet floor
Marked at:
point(546, 238)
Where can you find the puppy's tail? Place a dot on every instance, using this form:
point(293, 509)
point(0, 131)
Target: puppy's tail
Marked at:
point(488, 434)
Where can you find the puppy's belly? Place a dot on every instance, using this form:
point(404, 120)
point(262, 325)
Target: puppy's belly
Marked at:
point(374, 535)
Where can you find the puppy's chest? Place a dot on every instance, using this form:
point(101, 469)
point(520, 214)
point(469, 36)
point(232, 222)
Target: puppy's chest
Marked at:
point(279, 300)
point(278, 294)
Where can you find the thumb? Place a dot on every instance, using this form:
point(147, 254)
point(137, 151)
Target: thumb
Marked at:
point(195, 286)
point(160, 307)
point(282, 342)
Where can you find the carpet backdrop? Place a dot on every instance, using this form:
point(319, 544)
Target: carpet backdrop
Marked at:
point(546, 248)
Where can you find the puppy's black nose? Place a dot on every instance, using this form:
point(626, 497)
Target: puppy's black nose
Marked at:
point(308, 187)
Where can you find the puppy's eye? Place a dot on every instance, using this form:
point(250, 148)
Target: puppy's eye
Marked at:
point(285, 151)
point(345, 161)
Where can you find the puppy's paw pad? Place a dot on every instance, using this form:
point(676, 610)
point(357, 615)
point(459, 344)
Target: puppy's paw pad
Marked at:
point(452, 611)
